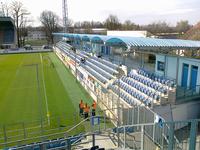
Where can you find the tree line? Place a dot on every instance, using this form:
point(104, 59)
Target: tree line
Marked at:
point(113, 23)
point(50, 22)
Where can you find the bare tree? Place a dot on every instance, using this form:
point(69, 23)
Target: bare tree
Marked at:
point(112, 23)
point(5, 9)
point(50, 23)
point(128, 25)
point(183, 26)
point(158, 27)
point(19, 14)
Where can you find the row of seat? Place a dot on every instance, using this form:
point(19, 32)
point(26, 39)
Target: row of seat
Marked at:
point(123, 95)
point(155, 77)
point(105, 62)
point(103, 66)
point(99, 70)
point(98, 76)
point(140, 87)
point(50, 144)
point(64, 45)
point(148, 82)
point(99, 63)
point(130, 95)
point(135, 93)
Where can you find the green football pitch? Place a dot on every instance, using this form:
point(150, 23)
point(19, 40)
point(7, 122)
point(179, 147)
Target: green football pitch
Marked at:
point(37, 89)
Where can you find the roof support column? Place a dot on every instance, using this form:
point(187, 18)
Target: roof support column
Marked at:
point(177, 66)
point(165, 67)
point(177, 73)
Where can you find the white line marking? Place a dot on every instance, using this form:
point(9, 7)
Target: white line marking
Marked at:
point(45, 94)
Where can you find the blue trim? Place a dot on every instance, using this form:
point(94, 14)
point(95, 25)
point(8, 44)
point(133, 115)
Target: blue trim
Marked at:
point(133, 41)
point(193, 79)
point(185, 75)
point(115, 42)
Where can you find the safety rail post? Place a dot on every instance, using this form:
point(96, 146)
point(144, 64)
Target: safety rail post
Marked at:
point(59, 123)
point(4, 132)
point(68, 144)
point(162, 137)
point(154, 126)
point(142, 137)
point(193, 133)
point(171, 136)
point(104, 121)
point(124, 137)
point(24, 129)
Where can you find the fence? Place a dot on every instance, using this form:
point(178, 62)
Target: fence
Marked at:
point(163, 136)
point(185, 94)
point(147, 136)
point(39, 130)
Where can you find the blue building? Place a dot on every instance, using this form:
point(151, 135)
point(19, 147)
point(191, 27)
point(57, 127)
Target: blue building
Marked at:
point(7, 33)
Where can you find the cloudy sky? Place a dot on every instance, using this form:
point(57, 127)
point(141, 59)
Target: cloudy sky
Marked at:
point(139, 11)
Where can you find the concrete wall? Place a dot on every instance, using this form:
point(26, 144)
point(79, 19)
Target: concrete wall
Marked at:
point(186, 111)
point(180, 112)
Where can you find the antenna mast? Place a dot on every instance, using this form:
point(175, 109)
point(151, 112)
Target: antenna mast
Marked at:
point(65, 16)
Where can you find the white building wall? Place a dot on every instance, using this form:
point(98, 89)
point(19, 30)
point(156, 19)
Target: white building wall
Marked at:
point(172, 64)
point(171, 72)
point(127, 33)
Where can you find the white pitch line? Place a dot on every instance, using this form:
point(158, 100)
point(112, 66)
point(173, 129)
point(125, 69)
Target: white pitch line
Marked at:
point(45, 94)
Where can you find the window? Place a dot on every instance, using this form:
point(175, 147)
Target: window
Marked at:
point(160, 66)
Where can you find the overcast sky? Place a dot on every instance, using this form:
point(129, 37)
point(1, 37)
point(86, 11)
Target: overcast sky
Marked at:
point(139, 11)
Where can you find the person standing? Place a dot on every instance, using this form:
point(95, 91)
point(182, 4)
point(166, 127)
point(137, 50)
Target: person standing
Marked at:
point(94, 105)
point(86, 111)
point(81, 107)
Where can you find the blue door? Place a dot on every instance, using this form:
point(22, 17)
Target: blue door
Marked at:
point(184, 75)
point(193, 80)
point(107, 50)
point(103, 49)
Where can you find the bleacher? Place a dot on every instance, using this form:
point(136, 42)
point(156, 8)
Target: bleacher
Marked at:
point(60, 143)
point(102, 70)
point(143, 86)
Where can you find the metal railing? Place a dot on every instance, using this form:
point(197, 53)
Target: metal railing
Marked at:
point(136, 137)
point(143, 115)
point(140, 136)
point(187, 92)
point(28, 132)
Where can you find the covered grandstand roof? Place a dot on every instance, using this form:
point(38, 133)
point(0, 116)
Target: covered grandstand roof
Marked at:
point(134, 42)
point(7, 31)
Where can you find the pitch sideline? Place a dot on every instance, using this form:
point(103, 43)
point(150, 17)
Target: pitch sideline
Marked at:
point(45, 94)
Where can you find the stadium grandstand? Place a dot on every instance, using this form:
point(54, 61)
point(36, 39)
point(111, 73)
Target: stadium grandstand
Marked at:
point(148, 88)
point(155, 78)
point(7, 33)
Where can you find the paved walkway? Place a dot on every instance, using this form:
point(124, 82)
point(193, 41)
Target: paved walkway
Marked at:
point(103, 141)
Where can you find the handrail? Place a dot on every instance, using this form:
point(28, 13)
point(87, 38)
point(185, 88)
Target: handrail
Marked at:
point(189, 91)
point(52, 134)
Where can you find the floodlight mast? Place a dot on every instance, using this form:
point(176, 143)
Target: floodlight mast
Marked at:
point(65, 16)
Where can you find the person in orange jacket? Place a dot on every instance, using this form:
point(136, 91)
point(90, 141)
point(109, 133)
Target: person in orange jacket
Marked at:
point(81, 107)
point(94, 106)
point(86, 111)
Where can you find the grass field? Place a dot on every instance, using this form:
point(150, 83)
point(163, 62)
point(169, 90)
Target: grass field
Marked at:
point(34, 85)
